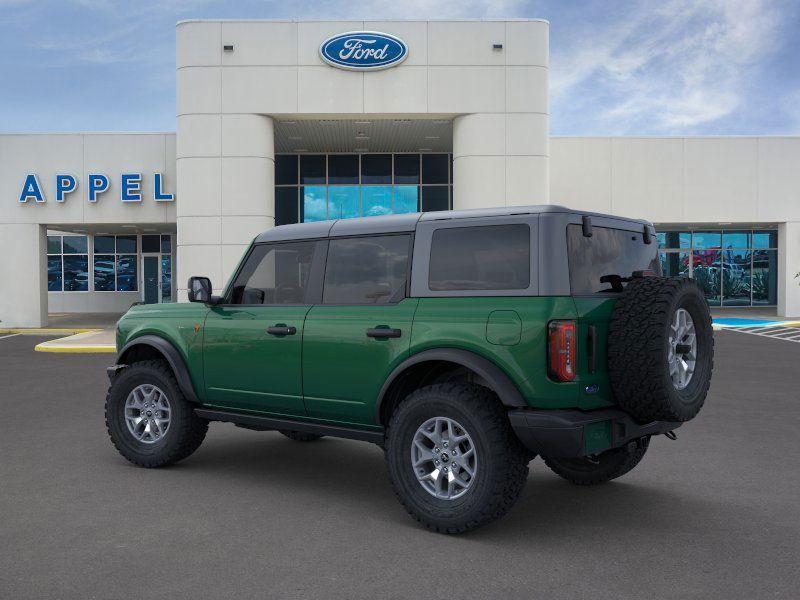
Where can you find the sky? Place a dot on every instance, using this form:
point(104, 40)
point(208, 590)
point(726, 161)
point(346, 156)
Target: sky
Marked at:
point(617, 67)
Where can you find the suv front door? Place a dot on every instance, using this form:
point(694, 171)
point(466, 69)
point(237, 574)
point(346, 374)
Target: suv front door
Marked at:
point(253, 339)
point(362, 329)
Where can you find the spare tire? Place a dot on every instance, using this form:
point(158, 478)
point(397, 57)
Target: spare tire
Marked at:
point(661, 349)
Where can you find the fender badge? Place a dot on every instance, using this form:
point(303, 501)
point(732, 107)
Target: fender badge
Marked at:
point(592, 389)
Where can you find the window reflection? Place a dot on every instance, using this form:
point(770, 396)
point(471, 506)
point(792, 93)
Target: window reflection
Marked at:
point(734, 267)
point(377, 200)
point(343, 202)
point(353, 185)
point(314, 203)
point(406, 198)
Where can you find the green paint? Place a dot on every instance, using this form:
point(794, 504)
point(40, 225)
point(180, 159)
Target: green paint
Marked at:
point(330, 370)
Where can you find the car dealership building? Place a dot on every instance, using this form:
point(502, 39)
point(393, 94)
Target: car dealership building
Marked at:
point(286, 121)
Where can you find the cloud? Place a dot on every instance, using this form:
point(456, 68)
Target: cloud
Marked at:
point(671, 66)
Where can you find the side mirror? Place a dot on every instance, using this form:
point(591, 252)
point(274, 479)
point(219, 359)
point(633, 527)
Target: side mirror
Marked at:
point(199, 289)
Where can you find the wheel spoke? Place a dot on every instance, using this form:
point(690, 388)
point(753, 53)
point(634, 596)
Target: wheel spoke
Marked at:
point(148, 413)
point(443, 458)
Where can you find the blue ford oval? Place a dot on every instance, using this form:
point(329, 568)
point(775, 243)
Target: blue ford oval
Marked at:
point(363, 50)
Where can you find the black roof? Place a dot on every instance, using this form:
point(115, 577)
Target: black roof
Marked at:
point(404, 222)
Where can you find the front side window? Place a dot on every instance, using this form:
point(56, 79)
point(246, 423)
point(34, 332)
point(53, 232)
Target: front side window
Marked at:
point(607, 252)
point(366, 270)
point(274, 274)
point(490, 257)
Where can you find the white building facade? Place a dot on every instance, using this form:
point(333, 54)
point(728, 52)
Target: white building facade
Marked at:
point(287, 121)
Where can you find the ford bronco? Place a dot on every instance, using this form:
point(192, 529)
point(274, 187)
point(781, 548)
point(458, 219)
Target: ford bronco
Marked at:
point(464, 343)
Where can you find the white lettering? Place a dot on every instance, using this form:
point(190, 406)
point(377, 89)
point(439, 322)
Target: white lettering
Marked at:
point(354, 48)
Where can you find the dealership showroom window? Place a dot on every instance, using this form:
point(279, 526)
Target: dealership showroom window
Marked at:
point(300, 131)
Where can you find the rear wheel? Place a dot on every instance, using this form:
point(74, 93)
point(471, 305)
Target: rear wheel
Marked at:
point(454, 462)
point(593, 470)
point(149, 420)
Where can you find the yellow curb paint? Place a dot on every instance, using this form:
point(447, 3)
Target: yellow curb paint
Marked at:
point(46, 331)
point(63, 349)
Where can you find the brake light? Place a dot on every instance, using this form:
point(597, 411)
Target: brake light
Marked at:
point(561, 350)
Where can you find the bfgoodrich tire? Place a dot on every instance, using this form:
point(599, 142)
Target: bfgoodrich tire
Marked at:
point(661, 349)
point(454, 462)
point(149, 420)
point(593, 470)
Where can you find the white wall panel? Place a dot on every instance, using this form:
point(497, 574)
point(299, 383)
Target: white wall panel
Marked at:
point(527, 43)
point(198, 44)
point(403, 89)
point(199, 90)
point(260, 43)
point(779, 179)
point(259, 90)
point(466, 42)
point(466, 89)
point(647, 178)
point(720, 179)
point(580, 173)
point(199, 136)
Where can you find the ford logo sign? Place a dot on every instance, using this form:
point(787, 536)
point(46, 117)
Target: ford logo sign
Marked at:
point(363, 50)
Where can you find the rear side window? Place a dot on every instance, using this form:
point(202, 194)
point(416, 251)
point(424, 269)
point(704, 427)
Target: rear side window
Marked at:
point(607, 252)
point(274, 274)
point(367, 270)
point(490, 257)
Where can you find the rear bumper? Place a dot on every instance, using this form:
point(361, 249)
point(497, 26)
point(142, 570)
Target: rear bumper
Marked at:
point(574, 433)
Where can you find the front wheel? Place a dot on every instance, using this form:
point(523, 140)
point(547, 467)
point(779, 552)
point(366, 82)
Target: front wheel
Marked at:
point(608, 465)
point(149, 420)
point(454, 462)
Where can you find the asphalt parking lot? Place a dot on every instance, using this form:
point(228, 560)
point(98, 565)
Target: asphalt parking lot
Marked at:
point(714, 515)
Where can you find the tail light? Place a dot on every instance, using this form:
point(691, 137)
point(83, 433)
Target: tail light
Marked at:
point(561, 350)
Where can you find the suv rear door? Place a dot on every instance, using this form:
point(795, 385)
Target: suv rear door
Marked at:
point(253, 340)
point(362, 328)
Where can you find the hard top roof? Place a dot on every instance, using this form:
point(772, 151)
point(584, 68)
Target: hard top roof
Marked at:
point(405, 222)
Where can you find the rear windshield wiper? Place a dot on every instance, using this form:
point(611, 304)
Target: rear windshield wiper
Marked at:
point(616, 281)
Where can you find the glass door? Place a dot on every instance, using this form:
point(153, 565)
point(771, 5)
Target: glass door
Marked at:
point(151, 278)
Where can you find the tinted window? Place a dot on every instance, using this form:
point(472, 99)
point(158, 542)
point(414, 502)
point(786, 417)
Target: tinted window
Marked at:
point(126, 244)
point(274, 274)
point(312, 168)
point(75, 244)
point(434, 168)
point(54, 244)
point(406, 168)
point(151, 243)
point(434, 198)
point(492, 257)
point(285, 205)
point(369, 270)
point(285, 169)
point(343, 168)
point(376, 168)
point(607, 252)
point(104, 244)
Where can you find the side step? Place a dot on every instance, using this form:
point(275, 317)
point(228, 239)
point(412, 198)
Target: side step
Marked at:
point(263, 423)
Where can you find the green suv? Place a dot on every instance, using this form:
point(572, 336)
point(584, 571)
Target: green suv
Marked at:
point(464, 343)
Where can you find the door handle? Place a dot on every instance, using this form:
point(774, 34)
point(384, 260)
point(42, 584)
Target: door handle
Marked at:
point(383, 332)
point(281, 329)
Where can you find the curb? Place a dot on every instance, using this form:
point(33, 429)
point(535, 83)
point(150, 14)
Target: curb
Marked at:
point(97, 349)
point(46, 331)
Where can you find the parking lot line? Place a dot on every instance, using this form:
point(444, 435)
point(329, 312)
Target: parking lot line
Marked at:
point(2, 337)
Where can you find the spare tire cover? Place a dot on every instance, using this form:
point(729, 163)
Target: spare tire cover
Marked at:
point(661, 349)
